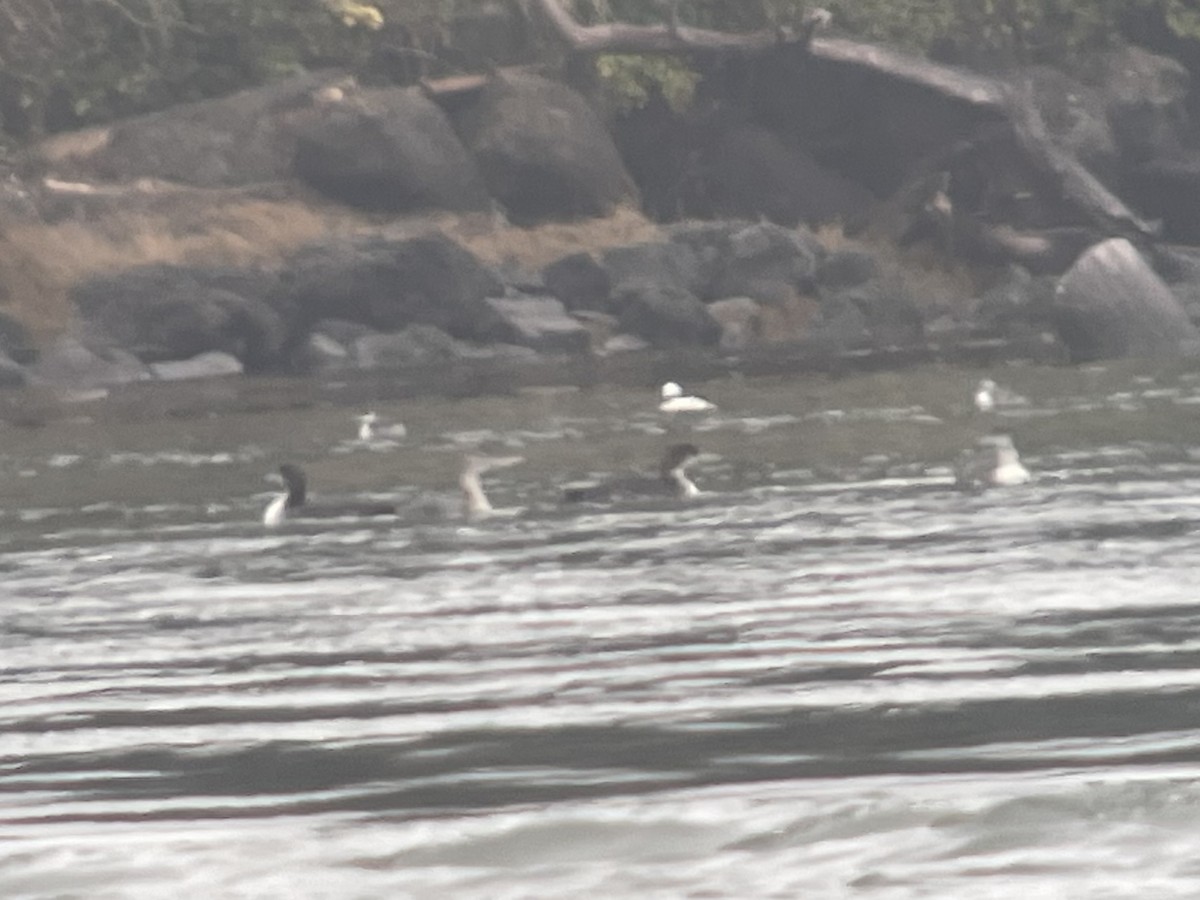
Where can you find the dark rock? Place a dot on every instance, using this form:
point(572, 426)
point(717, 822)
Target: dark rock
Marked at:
point(204, 365)
point(1112, 304)
point(390, 149)
point(579, 282)
point(163, 312)
point(673, 263)
point(321, 353)
point(245, 138)
point(1169, 189)
point(414, 346)
point(751, 172)
point(847, 267)
point(664, 314)
point(763, 253)
point(70, 361)
point(1018, 297)
point(542, 324)
point(12, 373)
point(390, 284)
point(887, 308)
point(543, 152)
point(15, 341)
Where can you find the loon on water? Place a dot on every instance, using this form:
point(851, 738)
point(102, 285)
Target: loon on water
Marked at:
point(475, 501)
point(992, 462)
point(672, 480)
point(293, 502)
point(674, 401)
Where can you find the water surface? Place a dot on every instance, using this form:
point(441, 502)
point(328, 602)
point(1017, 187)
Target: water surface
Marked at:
point(831, 675)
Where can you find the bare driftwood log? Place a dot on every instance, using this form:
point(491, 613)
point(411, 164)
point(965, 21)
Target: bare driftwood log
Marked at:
point(1060, 173)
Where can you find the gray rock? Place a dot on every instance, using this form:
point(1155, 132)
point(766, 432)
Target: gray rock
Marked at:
point(12, 373)
point(664, 314)
point(15, 341)
point(847, 267)
point(163, 312)
point(888, 310)
point(391, 284)
point(389, 149)
point(321, 353)
point(1111, 304)
point(414, 346)
point(671, 263)
point(204, 365)
point(543, 152)
point(738, 259)
point(68, 362)
point(579, 282)
point(542, 324)
point(624, 343)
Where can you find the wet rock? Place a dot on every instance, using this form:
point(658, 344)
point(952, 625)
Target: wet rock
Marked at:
point(70, 361)
point(391, 284)
point(1112, 304)
point(579, 282)
point(888, 311)
point(203, 365)
point(389, 149)
point(847, 267)
point(163, 312)
point(1076, 117)
point(1146, 98)
point(543, 152)
point(623, 343)
point(542, 324)
point(664, 314)
point(414, 346)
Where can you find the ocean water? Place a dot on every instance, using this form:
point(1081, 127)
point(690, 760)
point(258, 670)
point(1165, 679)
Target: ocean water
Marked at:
point(833, 674)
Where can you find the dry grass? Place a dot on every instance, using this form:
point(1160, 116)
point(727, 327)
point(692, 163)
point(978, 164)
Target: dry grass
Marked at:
point(39, 263)
point(539, 246)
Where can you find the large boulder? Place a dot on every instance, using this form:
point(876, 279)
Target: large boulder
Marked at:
point(204, 365)
point(163, 312)
point(391, 284)
point(667, 262)
point(667, 315)
point(578, 282)
point(244, 138)
point(12, 373)
point(416, 345)
point(389, 149)
point(1112, 304)
point(541, 323)
point(543, 152)
point(751, 172)
point(15, 341)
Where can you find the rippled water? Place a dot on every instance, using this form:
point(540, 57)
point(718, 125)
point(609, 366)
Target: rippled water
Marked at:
point(831, 675)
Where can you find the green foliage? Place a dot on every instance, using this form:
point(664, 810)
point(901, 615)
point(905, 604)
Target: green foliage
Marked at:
point(631, 80)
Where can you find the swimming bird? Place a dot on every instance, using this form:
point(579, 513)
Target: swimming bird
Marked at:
point(992, 462)
point(368, 433)
point(674, 401)
point(293, 502)
point(671, 481)
point(990, 396)
point(475, 501)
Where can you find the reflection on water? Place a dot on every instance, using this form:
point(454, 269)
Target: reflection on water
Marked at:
point(831, 675)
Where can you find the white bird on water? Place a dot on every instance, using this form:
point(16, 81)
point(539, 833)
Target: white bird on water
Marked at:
point(367, 432)
point(992, 462)
point(989, 396)
point(673, 400)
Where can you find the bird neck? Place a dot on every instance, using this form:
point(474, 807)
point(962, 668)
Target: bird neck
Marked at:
point(683, 485)
point(475, 500)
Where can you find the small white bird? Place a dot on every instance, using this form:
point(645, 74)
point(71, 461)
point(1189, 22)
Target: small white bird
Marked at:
point(366, 426)
point(985, 395)
point(385, 434)
point(990, 396)
point(992, 462)
point(674, 401)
